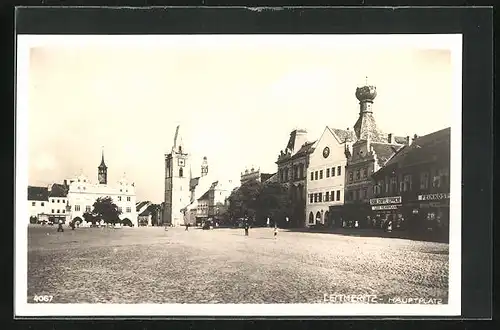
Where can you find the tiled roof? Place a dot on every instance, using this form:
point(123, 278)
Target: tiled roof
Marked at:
point(366, 127)
point(193, 183)
point(58, 190)
point(144, 213)
point(38, 193)
point(425, 147)
point(344, 135)
point(306, 148)
point(384, 151)
point(140, 205)
point(205, 195)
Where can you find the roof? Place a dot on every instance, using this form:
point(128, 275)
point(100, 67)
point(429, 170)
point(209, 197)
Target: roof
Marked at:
point(305, 149)
point(273, 178)
point(265, 176)
point(400, 139)
point(193, 183)
point(140, 205)
point(384, 151)
point(145, 213)
point(204, 196)
point(424, 147)
point(38, 193)
point(366, 128)
point(58, 190)
point(344, 135)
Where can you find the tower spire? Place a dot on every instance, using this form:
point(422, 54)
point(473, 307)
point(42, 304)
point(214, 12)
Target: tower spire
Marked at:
point(102, 173)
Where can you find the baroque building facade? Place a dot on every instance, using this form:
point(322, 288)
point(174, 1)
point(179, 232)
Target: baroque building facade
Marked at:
point(292, 173)
point(83, 192)
point(325, 178)
point(369, 151)
point(413, 189)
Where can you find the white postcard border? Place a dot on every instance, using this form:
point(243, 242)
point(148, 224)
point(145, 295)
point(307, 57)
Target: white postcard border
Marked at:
point(452, 42)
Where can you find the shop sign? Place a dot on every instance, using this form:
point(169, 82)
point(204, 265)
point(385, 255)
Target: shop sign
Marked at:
point(386, 200)
point(385, 207)
point(433, 197)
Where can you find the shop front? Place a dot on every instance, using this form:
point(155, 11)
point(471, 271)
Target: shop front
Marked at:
point(356, 215)
point(387, 210)
point(431, 214)
point(335, 215)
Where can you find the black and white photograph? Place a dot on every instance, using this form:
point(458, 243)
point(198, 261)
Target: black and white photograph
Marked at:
point(258, 175)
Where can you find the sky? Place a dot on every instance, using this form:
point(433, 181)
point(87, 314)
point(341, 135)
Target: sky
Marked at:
point(236, 102)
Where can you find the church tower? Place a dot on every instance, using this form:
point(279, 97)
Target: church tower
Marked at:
point(102, 171)
point(204, 167)
point(177, 177)
point(365, 127)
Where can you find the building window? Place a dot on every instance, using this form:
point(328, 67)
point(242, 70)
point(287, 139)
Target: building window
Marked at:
point(321, 174)
point(358, 176)
point(363, 172)
point(53, 201)
point(128, 199)
point(436, 180)
point(332, 195)
point(351, 176)
point(444, 174)
point(316, 175)
point(327, 172)
point(87, 208)
point(320, 197)
point(58, 211)
point(350, 195)
point(339, 171)
point(333, 171)
point(424, 180)
point(311, 198)
point(43, 204)
point(301, 171)
point(63, 211)
point(338, 195)
point(52, 211)
point(365, 193)
point(181, 173)
point(119, 198)
point(327, 196)
point(128, 209)
point(120, 209)
point(33, 203)
point(312, 176)
point(315, 198)
point(394, 185)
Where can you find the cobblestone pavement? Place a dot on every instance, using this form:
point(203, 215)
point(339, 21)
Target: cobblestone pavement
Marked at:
point(151, 265)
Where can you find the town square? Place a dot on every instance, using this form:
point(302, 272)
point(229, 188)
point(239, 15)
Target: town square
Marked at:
point(151, 265)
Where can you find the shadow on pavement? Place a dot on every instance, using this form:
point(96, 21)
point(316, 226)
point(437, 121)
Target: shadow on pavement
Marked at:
point(373, 233)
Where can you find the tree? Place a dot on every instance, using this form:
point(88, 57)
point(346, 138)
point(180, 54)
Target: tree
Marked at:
point(90, 218)
point(273, 201)
point(243, 201)
point(105, 209)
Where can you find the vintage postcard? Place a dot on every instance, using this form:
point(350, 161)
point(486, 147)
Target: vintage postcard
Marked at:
point(238, 175)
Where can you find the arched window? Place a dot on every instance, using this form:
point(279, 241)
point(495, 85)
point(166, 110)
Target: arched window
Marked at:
point(180, 172)
point(318, 216)
point(311, 217)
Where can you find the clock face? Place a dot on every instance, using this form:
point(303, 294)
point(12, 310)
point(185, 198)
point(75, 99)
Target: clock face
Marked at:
point(326, 152)
point(181, 162)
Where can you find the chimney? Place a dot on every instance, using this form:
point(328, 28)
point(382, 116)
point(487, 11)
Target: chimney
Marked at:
point(390, 138)
point(65, 183)
point(408, 142)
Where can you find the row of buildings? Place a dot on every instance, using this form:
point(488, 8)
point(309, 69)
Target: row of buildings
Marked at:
point(70, 200)
point(364, 176)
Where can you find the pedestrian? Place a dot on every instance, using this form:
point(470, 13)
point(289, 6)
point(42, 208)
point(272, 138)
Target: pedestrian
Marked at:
point(60, 227)
point(247, 226)
point(275, 231)
point(72, 225)
point(187, 226)
point(268, 221)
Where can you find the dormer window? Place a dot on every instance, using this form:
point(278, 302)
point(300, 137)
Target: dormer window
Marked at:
point(180, 149)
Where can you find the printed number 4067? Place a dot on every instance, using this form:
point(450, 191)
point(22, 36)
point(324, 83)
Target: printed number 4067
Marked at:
point(43, 298)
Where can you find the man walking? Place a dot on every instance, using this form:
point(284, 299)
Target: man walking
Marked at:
point(275, 230)
point(247, 226)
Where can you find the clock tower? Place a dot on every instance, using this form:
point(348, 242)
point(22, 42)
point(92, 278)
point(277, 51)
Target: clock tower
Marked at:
point(177, 177)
